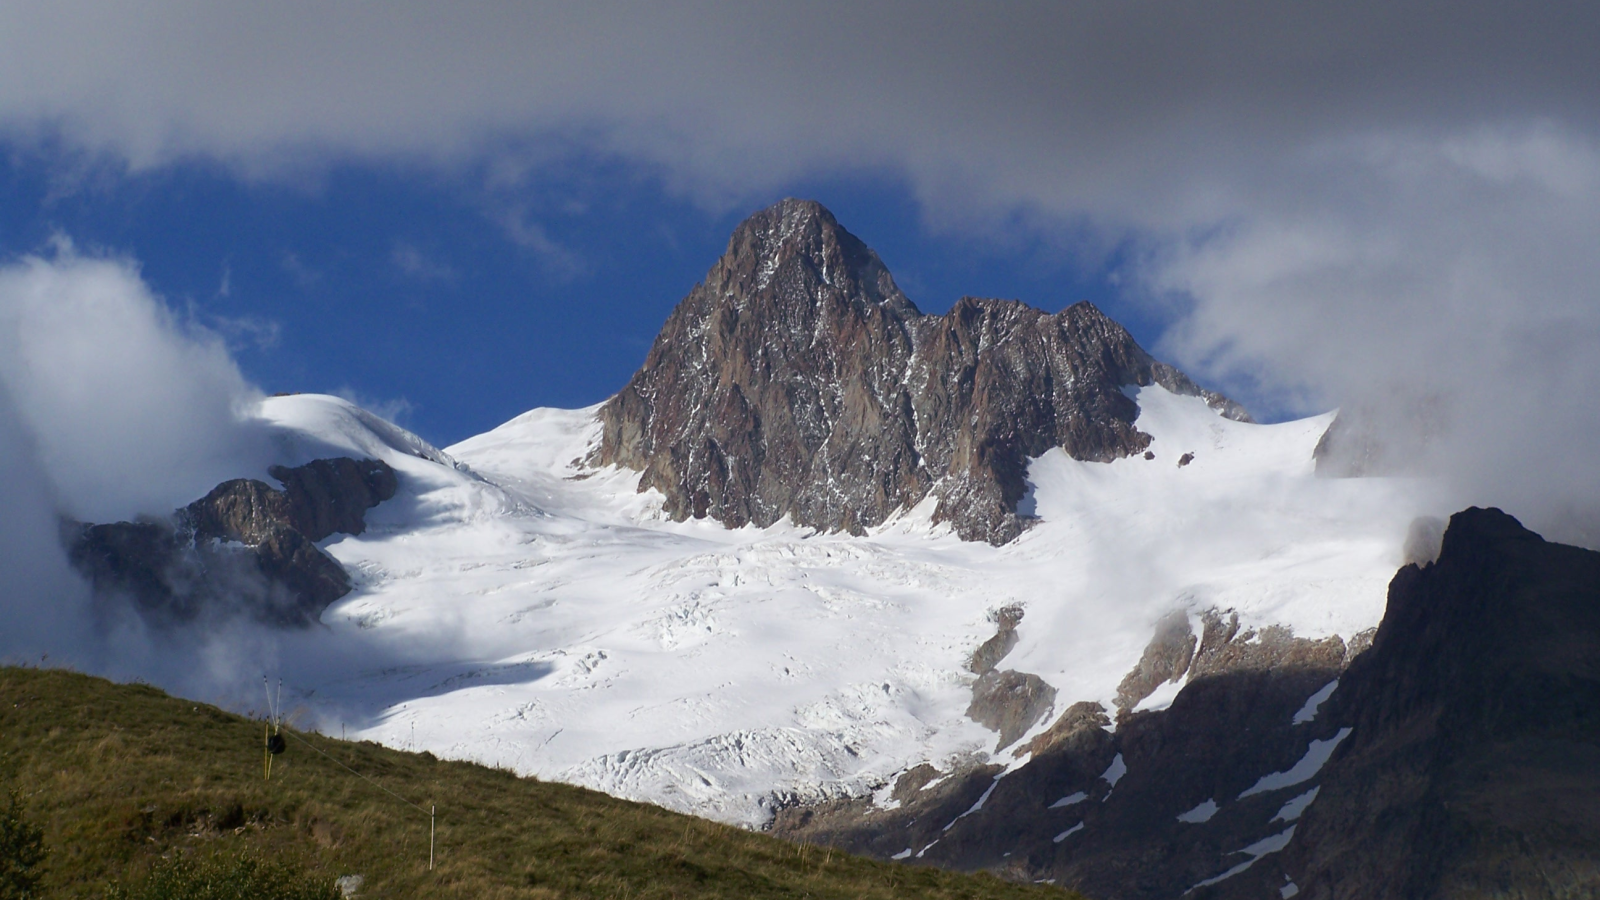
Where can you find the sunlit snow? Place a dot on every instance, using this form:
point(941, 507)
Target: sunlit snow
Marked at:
point(516, 607)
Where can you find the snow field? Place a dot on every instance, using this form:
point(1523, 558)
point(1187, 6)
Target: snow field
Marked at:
point(520, 609)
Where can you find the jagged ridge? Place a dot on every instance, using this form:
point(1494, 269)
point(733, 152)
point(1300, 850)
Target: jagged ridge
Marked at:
point(798, 380)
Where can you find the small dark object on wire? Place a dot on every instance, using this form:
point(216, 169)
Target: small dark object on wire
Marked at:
point(275, 744)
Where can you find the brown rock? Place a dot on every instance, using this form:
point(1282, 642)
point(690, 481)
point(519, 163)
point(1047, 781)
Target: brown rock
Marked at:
point(243, 547)
point(797, 380)
point(989, 654)
point(1166, 658)
point(1082, 716)
point(1010, 702)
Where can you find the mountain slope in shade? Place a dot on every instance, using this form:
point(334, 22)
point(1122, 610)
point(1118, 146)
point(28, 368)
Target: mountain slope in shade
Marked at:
point(798, 381)
point(1473, 763)
point(1456, 757)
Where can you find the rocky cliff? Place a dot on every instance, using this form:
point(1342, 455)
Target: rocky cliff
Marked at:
point(244, 547)
point(797, 380)
point(1473, 763)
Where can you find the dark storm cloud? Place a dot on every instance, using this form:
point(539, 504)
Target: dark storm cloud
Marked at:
point(1335, 203)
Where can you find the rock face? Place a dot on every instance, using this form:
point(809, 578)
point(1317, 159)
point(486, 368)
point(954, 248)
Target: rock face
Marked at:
point(1396, 437)
point(1008, 701)
point(797, 380)
point(320, 498)
point(1123, 813)
point(243, 547)
point(1473, 764)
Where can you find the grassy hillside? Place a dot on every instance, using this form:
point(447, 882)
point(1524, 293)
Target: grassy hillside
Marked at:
point(120, 775)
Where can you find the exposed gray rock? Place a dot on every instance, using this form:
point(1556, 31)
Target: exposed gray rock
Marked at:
point(245, 546)
point(989, 654)
point(797, 380)
point(1166, 658)
point(1010, 702)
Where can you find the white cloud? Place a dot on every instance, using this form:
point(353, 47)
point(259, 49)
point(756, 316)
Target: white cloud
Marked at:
point(394, 409)
point(1456, 272)
point(131, 411)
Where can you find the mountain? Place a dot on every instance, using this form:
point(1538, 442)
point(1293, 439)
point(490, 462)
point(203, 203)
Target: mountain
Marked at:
point(245, 546)
point(989, 590)
point(798, 381)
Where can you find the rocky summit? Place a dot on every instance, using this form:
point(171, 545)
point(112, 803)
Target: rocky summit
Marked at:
point(798, 380)
point(244, 547)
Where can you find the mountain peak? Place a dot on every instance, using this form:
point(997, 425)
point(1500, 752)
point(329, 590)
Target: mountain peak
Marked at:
point(795, 250)
point(798, 381)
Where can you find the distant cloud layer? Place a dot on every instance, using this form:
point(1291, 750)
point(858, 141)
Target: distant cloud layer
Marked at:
point(1335, 203)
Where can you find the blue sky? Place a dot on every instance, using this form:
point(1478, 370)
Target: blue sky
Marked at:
point(411, 291)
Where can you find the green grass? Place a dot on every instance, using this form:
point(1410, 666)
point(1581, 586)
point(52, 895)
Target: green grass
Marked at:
point(121, 776)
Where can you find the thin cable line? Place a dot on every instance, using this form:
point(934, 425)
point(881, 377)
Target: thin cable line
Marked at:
point(355, 773)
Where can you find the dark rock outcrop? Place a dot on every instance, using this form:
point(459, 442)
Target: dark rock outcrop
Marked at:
point(244, 547)
point(797, 380)
point(1099, 810)
point(319, 499)
point(1008, 701)
point(1473, 763)
point(990, 652)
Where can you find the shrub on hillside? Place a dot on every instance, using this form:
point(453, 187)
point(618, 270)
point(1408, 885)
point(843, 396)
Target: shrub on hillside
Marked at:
point(22, 852)
point(231, 878)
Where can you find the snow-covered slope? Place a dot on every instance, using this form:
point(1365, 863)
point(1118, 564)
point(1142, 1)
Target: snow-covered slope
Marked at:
point(517, 608)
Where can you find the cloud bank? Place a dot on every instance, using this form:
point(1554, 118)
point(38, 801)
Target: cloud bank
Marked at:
point(1363, 203)
point(131, 411)
point(110, 409)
